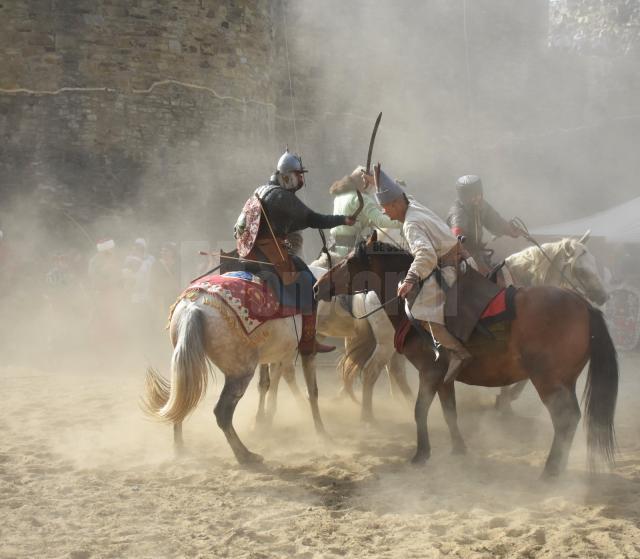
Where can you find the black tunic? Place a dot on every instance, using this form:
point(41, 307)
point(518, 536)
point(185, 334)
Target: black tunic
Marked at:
point(470, 221)
point(287, 213)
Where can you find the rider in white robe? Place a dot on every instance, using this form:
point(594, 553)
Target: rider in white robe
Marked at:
point(431, 244)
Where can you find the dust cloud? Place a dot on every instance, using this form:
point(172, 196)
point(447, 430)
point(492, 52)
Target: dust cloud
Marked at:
point(465, 87)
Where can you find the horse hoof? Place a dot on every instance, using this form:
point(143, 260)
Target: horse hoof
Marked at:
point(459, 450)
point(549, 476)
point(325, 438)
point(250, 458)
point(370, 423)
point(420, 458)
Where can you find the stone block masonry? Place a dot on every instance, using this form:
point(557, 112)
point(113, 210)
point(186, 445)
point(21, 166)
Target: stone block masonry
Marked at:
point(108, 103)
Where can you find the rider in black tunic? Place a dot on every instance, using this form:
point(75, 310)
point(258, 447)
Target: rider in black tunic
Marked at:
point(471, 214)
point(280, 213)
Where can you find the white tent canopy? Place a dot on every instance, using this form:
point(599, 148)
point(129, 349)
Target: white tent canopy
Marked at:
point(620, 224)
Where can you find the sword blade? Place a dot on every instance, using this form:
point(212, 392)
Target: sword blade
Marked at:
point(372, 141)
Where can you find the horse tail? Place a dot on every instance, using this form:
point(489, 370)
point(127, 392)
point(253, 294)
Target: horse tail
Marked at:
point(156, 392)
point(358, 352)
point(601, 390)
point(173, 401)
point(348, 370)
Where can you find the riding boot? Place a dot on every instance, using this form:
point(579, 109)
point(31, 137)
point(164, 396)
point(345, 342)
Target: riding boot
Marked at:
point(458, 354)
point(308, 344)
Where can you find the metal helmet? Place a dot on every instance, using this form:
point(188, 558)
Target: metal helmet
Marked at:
point(288, 165)
point(468, 186)
point(290, 162)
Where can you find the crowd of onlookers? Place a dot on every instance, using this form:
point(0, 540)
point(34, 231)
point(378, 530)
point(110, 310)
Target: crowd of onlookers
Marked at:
point(112, 300)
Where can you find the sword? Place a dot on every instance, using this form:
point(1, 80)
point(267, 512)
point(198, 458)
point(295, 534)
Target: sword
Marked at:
point(371, 142)
point(368, 169)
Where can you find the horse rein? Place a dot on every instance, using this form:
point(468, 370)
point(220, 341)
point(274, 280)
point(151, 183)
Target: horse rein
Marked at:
point(367, 315)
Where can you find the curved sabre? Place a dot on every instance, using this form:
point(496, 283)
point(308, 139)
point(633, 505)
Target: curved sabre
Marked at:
point(372, 141)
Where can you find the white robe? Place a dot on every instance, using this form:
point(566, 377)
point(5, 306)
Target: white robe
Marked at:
point(428, 238)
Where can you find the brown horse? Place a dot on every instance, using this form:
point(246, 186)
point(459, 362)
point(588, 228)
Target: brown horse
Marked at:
point(554, 334)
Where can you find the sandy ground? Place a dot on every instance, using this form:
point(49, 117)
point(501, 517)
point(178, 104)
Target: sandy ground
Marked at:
point(84, 474)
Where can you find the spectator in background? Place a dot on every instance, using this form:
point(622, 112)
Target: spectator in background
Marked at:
point(103, 271)
point(164, 279)
point(104, 275)
point(137, 271)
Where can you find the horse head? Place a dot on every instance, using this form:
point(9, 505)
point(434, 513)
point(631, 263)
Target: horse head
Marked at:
point(338, 280)
point(581, 268)
point(371, 266)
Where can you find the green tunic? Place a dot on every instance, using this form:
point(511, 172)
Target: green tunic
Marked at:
point(346, 236)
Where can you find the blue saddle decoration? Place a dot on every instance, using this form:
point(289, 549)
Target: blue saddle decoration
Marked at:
point(248, 276)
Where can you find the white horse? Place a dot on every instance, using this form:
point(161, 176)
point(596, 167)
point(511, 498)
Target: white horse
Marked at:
point(566, 263)
point(205, 332)
point(368, 350)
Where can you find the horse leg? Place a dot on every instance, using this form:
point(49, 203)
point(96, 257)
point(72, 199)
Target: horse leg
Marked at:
point(178, 442)
point(397, 372)
point(234, 388)
point(564, 409)
point(263, 388)
point(447, 395)
point(275, 373)
point(309, 369)
point(426, 392)
point(368, 382)
point(509, 394)
point(288, 371)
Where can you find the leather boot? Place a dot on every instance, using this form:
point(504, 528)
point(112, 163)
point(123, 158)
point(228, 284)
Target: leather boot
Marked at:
point(458, 354)
point(308, 344)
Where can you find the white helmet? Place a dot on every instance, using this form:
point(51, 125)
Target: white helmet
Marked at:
point(288, 165)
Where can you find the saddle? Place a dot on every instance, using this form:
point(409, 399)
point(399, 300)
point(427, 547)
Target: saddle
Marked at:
point(466, 300)
point(492, 326)
point(243, 298)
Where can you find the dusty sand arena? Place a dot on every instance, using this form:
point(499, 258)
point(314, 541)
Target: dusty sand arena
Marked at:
point(84, 474)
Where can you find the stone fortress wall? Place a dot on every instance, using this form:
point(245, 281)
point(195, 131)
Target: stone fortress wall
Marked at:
point(153, 109)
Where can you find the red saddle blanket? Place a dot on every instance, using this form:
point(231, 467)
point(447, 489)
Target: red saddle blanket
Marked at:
point(499, 308)
point(252, 301)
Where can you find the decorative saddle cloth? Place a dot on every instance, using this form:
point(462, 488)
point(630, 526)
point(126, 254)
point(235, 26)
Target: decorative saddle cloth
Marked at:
point(500, 309)
point(250, 299)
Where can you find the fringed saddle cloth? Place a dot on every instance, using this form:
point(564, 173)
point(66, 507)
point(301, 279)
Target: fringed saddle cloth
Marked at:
point(249, 298)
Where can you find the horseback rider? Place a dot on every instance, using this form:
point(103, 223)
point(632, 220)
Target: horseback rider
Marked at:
point(268, 218)
point(346, 202)
point(470, 214)
point(432, 245)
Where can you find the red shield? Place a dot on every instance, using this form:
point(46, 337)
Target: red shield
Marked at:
point(252, 211)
